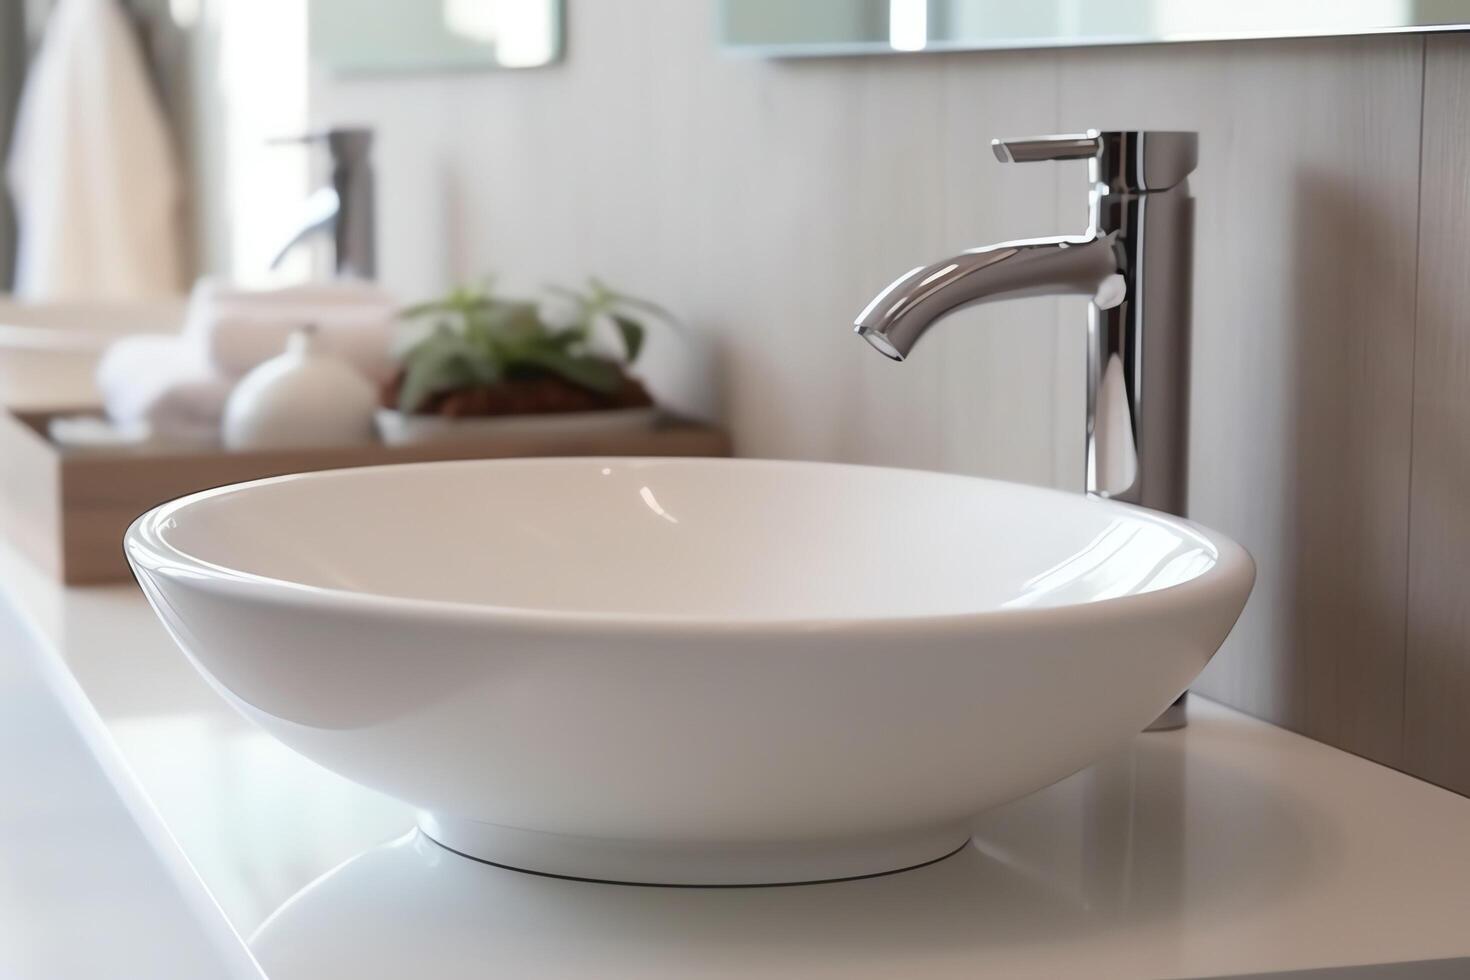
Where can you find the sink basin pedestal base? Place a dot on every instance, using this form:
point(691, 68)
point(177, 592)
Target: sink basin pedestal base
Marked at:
point(699, 864)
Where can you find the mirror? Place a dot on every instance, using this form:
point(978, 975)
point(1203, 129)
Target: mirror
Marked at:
point(396, 36)
point(781, 28)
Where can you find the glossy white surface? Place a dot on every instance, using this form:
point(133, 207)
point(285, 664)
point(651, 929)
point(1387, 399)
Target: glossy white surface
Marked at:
point(689, 671)
point(1229, 847)
point(84, 892)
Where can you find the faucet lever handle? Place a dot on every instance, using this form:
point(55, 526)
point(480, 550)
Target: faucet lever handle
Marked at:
point(344, 143)
point(1075, 146)
point(1128, 161)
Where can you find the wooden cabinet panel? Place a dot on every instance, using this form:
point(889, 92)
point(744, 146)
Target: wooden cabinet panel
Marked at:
point(1437, 705)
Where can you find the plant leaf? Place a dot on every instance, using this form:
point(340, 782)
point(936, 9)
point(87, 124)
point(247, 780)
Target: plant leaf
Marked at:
point(661, 313)
point(565, 340)
point(458, 303)
point(505, 318)
point(444, 361)
point(481, 339)
point(633, 335)
point(592, 373)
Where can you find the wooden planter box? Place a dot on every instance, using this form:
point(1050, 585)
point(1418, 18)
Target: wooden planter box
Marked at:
point(68, 510)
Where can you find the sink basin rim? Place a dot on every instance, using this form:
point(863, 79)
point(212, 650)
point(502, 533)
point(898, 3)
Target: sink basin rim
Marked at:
point(147, 547)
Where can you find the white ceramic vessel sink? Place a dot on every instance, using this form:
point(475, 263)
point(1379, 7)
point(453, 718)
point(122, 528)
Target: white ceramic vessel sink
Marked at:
point(689, 671)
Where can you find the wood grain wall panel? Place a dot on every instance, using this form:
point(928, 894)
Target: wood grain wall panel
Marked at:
point(1306, 194)
point(1437, 706)
point(768, 200)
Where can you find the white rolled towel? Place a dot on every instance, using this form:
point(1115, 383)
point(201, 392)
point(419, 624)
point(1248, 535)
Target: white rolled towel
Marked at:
point(237, 329)
point(163, 383)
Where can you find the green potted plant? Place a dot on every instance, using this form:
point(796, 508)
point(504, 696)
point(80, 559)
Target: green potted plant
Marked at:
point(494, 365)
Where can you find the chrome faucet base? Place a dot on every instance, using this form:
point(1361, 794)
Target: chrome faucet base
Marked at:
point(1175, 716)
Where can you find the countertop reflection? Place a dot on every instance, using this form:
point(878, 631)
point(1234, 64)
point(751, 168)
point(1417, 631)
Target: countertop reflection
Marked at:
point(1229, 847)
point(1119, 870)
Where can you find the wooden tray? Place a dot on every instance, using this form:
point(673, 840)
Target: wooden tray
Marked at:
point(68, 510)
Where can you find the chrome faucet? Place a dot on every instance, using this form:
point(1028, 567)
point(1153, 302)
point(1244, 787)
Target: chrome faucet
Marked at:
point(345, 208)
point(1134, 260)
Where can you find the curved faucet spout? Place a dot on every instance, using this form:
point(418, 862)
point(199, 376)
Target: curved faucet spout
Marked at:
point(895, 320)
point(320, 216)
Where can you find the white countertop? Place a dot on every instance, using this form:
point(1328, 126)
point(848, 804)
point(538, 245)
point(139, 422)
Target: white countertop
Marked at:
point(83, 892)
point(1229, 847)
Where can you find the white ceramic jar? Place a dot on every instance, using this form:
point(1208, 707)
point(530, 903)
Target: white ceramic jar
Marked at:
point(300, 399)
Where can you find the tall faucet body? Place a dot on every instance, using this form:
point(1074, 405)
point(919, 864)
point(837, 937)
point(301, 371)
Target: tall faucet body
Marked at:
point(1134, 261)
